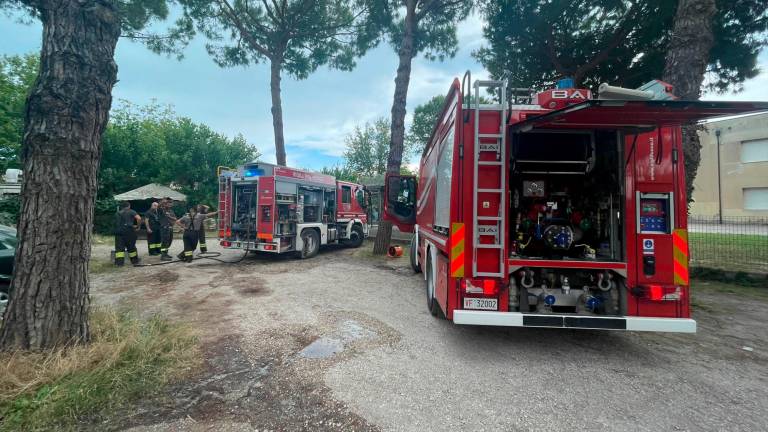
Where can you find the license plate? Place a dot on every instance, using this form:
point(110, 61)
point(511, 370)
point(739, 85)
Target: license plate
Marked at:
point(481, 304)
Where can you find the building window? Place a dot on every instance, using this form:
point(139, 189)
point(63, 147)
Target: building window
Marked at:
point(756, 198)
point(346, 194)
point(754, 150)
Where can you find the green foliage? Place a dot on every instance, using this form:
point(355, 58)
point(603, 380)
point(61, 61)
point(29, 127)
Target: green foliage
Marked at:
point(424, 118)
point(299, 35)
point(9, 210)
point(341, 172)
point(367, 148)
point(623, 43)
point(17, 75)
point(152, 144)
point(104, 215)
point(435, 35)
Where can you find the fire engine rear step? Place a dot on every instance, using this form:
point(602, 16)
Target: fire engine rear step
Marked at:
point(493, 226)
point(630, 323)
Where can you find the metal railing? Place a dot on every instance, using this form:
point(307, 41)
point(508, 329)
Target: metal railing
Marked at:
point(737, 244)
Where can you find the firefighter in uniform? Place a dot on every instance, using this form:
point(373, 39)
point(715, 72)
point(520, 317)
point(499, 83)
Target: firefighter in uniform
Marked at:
point(191, 231)
point(125, 234)
point(167, 219)
point(200, 222)
point(152, 223)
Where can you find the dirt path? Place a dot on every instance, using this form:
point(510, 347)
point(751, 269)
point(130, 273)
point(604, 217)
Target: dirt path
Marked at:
point(344, 342)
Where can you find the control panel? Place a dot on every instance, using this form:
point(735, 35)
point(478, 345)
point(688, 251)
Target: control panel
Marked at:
point(654, 213)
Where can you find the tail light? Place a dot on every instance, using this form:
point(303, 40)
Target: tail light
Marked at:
point(662, 293)
point(225, 243)
point(229, 232)
point(221, 233)
point(480, 286)
point(269, 247)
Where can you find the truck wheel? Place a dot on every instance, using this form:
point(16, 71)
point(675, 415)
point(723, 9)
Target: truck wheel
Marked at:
point(432, 305)
point(311, 243)
point(355, 237)
point(414, 255)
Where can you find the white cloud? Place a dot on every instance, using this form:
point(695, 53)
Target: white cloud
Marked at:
point(470, 32)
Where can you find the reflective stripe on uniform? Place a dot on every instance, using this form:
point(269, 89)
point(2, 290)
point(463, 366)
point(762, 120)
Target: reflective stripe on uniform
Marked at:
point(163, 249)
point(133, 254)
point(187, 253)
point(119, 254)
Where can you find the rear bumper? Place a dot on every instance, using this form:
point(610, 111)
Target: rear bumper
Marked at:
point(251, 246)
point(629, 323)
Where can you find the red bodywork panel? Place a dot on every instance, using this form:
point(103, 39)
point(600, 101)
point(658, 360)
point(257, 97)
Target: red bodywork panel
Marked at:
point(351, 209)
point(306, 176)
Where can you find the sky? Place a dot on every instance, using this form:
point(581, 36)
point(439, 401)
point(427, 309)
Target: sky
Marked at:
point(318, 112)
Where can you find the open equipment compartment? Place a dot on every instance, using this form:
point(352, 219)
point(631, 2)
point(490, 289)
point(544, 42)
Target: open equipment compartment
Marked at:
point(567, 192)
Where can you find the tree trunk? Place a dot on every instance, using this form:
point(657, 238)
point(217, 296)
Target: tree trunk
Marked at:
point(277, 110)
point(686, 64)
point(403, 78)
point(67, 112)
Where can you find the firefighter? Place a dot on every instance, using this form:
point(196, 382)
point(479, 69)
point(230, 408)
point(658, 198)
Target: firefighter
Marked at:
point(125, 234)
point(152, 223)
point(200, 223)
point(190, 234)
point(167, 219)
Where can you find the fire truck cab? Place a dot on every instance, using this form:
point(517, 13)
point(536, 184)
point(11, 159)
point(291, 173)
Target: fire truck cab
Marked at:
point(555, 209)
point(276, 209)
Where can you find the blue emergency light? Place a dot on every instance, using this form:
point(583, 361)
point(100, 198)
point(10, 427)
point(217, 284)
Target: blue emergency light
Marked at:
point(253, 172)
point(565, 83)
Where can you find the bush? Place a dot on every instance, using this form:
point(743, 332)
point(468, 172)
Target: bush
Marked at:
point(127, 359)
point(9, 210)
point(104, 216)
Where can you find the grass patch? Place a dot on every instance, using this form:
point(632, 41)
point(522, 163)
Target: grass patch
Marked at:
point(97, 266)
point(733, 252)
point(101, 239)
point(127, 359)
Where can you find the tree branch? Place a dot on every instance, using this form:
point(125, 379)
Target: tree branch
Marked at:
point(552, 54)
point(252, 42)
point(617, 39)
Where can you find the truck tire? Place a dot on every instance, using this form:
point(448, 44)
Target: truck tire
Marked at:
point(414, 255)
point(356, 237)
point(311, 243)
point(432, 305)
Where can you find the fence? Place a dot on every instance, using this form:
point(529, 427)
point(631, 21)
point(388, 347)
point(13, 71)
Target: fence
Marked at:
point(736, 244)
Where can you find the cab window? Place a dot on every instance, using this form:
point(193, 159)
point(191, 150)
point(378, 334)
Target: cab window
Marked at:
point(346, 194)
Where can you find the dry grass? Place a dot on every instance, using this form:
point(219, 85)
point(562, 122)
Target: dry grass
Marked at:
point(128, 358)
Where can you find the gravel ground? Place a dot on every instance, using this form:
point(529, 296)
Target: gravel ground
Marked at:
point(344, 342)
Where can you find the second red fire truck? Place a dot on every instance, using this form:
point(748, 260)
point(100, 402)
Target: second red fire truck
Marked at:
point(276, 209)
point(555, 209)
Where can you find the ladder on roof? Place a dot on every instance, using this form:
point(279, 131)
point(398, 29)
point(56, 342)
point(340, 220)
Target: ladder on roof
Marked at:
point(490, 157)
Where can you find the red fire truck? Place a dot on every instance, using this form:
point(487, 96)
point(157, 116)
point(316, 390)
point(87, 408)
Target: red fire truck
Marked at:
point(271, 208)
point(555, 209)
